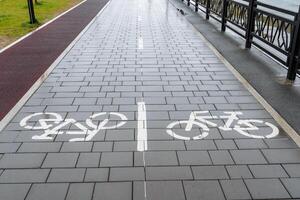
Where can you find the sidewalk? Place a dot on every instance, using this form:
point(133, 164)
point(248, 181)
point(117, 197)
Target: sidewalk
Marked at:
point(120, 119)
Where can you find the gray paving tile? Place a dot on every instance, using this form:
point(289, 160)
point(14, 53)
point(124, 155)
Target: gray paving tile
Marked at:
point(209, 172)
point(177, 100)
point(221, 157)
point(235, 189)
point(248, 157)
point(24, 176)
point(267, 171)
point(9, 147)
point(292, 185)
point(125, 146)
point(80, 191)
point(240, 99)
point(157, 115)
point(266, 189)
point(214, 100)
point(13, 191)
point(127, 174)
point(159, 158)
point(96, 175)
point(292, 169)
point(282, 155)
point(85, 101)
point(158, 190)
point(250, 144)
point(21, 160)
point(210, 190)
point(76, 147)
point(126, 134)
point(58, 101)
point(168, 173)
point(40, 147)
point(102, 146)
point(60, 160)
point(61, 108)
point(8, 136)
point(200, 145)
point(66, 175)
point(113, 191)
point(48, 191)
point(238, 171)
point(281, 143)
point(193, 158)
point(225, 144)
point(123, 100)
point(165, 145)
point(88, 160)
point(116, 159)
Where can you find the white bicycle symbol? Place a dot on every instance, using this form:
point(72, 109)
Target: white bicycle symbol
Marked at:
point(243, 127)
point(52, 124)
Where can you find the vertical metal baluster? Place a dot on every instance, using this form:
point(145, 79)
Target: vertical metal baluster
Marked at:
point(224, 15)
point(196, 5)
point(293, 58)
point(251, 23)
point(207, 9)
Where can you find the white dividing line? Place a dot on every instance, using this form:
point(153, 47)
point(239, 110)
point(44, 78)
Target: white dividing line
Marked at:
point(142, 137)
point(141, 43)
point(8, 117)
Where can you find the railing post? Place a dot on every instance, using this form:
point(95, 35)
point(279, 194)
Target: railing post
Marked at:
point(207, 9)
point(294, 55)
point(31, 12)
point(188, 2)
point(196, 5)
point(224, 15)
point(251, 22)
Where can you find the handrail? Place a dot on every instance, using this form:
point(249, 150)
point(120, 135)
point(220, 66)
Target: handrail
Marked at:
point(274, 30)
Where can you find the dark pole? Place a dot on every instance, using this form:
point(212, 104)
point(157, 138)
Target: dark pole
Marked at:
point(293, 59)
point(31, 12)
point(196, 5)
point(207, 9)
point(250, 23)
point(224, 15)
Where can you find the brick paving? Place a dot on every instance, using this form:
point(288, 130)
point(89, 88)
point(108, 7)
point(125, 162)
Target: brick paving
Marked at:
point(143, 51)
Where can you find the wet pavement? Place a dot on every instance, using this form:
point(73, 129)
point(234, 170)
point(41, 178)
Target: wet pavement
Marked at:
point(142, 108)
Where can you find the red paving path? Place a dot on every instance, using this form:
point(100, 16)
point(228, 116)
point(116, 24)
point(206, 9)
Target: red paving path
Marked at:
point(22, 64)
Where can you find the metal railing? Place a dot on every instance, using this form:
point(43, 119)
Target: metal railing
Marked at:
point(274, 30)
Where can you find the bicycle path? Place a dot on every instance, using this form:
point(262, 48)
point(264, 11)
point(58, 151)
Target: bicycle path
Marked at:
point(142, 108)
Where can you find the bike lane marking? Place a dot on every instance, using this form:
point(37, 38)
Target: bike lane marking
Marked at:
point(50, 129)
point(242, 126)
point(142, 136)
